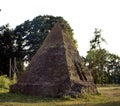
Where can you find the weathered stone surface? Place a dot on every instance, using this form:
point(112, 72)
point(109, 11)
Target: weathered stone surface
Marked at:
point(56, 69)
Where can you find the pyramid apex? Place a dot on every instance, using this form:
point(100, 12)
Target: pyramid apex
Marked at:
point(60, 25)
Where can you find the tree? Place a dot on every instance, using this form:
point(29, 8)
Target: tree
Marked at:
point(105, 66)
point(113, 68)
point(97, 63)
point(31, 34)
point(97, 57)
point(7, 49)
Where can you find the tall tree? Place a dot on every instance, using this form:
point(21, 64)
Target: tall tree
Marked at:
point(8, 51)
point(7, 48)
point(105, 66)
point(97, 57)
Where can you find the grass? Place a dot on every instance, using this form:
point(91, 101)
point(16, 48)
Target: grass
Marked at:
point(109, 96)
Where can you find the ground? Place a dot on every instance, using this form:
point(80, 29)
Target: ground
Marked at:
point(107, 96)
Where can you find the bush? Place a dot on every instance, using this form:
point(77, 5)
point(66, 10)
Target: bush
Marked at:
point(5, 82)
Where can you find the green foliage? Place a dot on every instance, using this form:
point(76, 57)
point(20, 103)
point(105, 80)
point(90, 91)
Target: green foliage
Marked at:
point(113, 68)
point(5, 82)
point(110, 72)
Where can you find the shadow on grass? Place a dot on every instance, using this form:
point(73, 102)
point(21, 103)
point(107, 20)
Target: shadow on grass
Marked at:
point(22, 98)
point(114, 103)
point(12, 97)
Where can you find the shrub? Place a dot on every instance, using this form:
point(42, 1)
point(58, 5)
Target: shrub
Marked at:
point(5, 82)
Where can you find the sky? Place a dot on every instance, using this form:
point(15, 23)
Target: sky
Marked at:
point(82, 15)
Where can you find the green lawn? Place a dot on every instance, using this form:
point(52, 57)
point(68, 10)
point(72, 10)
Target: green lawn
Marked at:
point(110, 96)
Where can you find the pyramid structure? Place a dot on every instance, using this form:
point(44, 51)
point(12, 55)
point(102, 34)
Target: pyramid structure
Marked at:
point(56, 69)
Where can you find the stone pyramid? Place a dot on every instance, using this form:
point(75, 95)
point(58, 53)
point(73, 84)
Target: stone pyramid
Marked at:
point(56, 69)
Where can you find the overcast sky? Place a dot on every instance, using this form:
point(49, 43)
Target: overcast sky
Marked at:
point(82, 15)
